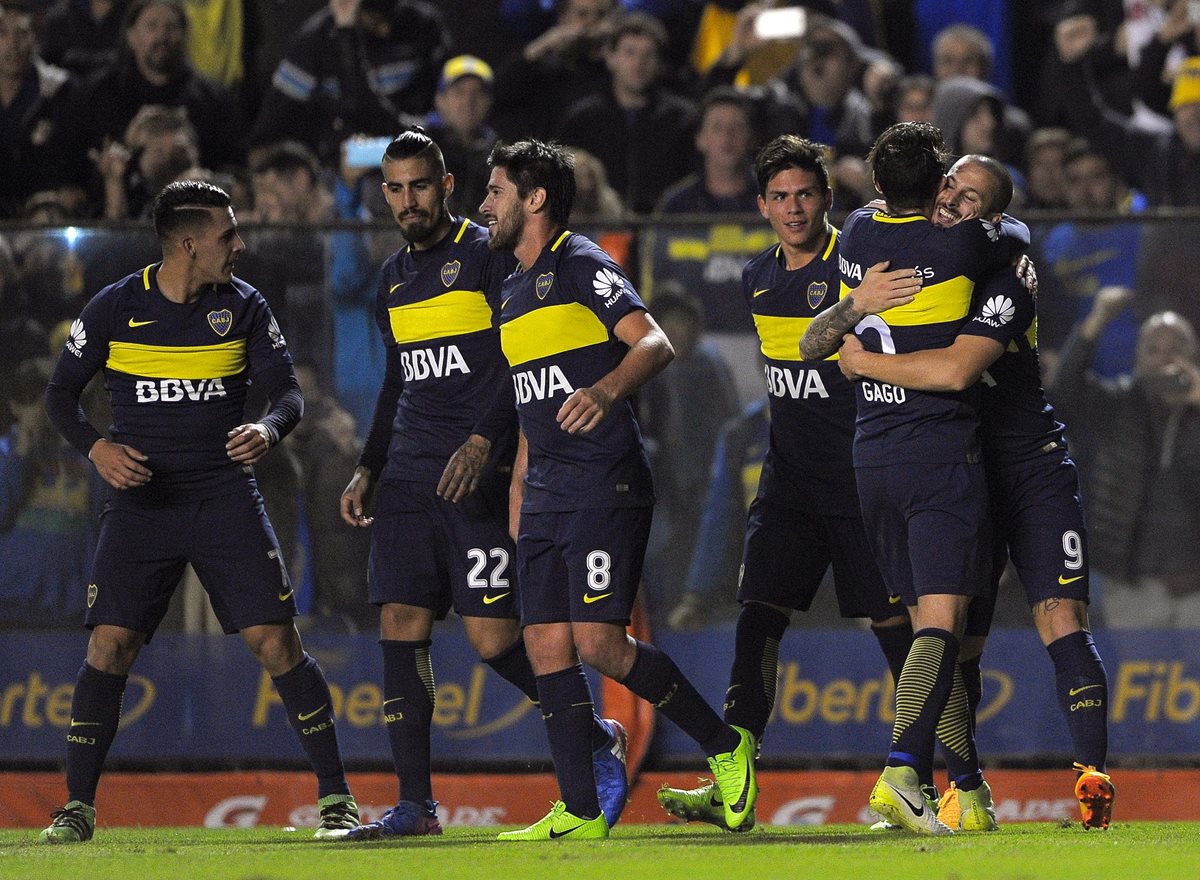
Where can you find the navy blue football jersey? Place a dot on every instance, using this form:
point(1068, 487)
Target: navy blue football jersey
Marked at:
point(176, 375)
point(436, 307)
point(808, 464)
point(897, 425)
point(556, 325)
point(1018, 422)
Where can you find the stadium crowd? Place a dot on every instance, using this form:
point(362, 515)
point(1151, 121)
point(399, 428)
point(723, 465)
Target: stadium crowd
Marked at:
point(664, 103)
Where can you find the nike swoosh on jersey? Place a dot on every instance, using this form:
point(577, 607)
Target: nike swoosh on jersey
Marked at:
point(762, 290)
point(304, 717)
point(133, 323)
point(394, 287)
point(1064, 581)
point(283, 597)
point(554, 835)
point(589, 598)
point(488, 600)
point(1073, 691)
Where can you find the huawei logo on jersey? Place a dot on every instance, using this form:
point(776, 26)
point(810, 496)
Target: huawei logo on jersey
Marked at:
point(997, 311)
point(609, 286)
point(77, 338)
point(273, 331)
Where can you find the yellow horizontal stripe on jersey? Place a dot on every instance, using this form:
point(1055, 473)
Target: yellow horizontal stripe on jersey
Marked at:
point(780, 337)
point(550, 330)
point(454, 313)
point(178, 361)
point(935, 304)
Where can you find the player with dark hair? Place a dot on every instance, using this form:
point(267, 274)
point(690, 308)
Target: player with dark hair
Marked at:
point(180, 342)
point(1037, 514)
point(805, 517)
point(580, 342)
point(930, 531)
point(439, 535)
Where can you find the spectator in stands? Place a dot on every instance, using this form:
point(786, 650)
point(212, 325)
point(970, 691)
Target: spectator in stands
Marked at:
point(36, 129)
point(975, 118)
point(21, 337)
point(549, 73)
point(1177, 37)
point(354, 68)
point(816, 97)
point(326, 446)
point(459, 126)
point(82, 36)
point(595, 199)
point(685, 407)
point(159, 144)
point(1044, 185)
point(48, 505)
point(1144, 481)
point(726, 140)
point(913, 98)
point(290, 189)
point(152, 68)
point(1166, 167)
point(1080, 258)
point(962, 50)
point(635, 128)
point(732, 484)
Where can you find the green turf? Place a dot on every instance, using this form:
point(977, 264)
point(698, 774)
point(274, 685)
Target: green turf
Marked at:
point(1138, 850)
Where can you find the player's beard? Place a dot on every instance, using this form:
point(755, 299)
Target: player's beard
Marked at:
point(508, 230)
point(419, 229)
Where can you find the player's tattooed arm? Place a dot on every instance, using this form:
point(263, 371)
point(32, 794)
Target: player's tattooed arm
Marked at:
point(879, 291)
point(464, 468)
point(824, 335)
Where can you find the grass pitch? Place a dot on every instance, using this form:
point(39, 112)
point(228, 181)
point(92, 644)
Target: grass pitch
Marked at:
point(1141, 850)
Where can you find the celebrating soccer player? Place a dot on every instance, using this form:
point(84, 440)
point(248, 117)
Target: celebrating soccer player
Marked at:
point(179, 343)
point(580, 342)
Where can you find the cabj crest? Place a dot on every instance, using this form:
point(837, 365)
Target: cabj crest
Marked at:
point(816, 293)
point(543, 284)
point(220, 321)
point(450, 272)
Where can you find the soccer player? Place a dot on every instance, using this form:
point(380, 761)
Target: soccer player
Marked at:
point(439, 534)
point(806, 514)
point(916, 455)
point(1036, 509)
point(179, 342)
point(580, 342)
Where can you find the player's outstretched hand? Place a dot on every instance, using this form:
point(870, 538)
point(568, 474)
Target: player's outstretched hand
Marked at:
point(354, 498)
point(119, 465)
point(464, 468)
point(881, 290)
point(848, 357)
point(583, 410)
point(248, 443)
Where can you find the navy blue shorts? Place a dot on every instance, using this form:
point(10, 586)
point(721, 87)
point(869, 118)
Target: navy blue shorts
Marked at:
point(581, 565)
point(929, 528)
point(436, 554)
point(142, 551)
point(787, 552)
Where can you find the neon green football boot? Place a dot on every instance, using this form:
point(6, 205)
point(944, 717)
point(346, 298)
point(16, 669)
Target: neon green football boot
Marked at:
point(559, 824)
point(735, 779)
